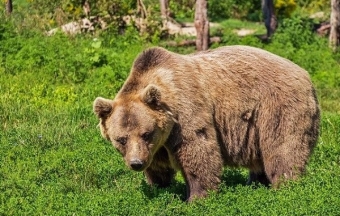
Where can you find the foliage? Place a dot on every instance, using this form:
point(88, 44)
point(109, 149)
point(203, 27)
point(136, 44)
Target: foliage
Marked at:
point(284, 8)
point(221, 10)
point(234, 9)
point(46, 15)
point(293, 29)
point(313, 6)
point(182, 9)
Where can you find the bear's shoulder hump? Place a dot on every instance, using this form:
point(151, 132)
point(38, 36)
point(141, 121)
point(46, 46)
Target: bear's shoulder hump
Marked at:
point(150, 58)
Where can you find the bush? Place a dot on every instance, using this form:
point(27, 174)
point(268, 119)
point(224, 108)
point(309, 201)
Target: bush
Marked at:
point(284, 8)
point(234, 9)
point(291, 30)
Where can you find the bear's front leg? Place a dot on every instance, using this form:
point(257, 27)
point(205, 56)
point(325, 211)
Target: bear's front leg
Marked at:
point(161, 177)
point(160, 172)
point(201, 164)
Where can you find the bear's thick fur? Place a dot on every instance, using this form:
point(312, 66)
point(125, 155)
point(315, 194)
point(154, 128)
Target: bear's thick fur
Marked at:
point(234, 106)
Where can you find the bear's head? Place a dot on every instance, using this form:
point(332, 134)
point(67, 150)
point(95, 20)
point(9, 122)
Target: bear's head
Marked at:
point(136, 124)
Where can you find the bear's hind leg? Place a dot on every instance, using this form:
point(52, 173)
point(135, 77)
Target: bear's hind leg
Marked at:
point(279, 169)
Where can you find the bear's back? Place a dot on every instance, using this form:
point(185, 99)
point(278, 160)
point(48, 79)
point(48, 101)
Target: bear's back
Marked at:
point(238, 72)
point(248, 64)
point(234, 74)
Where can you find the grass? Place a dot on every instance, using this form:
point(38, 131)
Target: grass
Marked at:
point(53, 160)
point(232, 24)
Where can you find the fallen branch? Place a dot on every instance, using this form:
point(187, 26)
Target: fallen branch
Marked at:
point(323, 29)
point(84, 25)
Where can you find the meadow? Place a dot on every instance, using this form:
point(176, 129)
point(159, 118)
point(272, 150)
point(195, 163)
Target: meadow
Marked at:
point(53, 160)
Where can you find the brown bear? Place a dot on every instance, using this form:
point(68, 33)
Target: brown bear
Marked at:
point(236, 105)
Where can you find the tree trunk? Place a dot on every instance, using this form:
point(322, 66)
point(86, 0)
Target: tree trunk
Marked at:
point(202, 25)
point(334, 36)
point(9, 6)
point(86, 7)
point(165, 13)
point(141, 10)
point(270, 20)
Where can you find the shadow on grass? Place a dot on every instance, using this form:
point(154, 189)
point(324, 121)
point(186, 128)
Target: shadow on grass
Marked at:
point(176, 188)
point(233, 177)
point(230, 178)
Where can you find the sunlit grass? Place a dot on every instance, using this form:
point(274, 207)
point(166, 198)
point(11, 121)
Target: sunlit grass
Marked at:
point(53, 160)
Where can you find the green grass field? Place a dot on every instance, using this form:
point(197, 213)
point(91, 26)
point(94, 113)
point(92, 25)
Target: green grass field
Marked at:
point(53, 160)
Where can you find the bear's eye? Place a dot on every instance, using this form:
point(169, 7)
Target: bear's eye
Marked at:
point(147, 136)
point(121, 140)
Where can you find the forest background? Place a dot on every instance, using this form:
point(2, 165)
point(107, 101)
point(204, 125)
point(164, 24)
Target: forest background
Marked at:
point(53, 160)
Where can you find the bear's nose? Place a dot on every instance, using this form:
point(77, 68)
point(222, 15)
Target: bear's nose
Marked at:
point(136, 164)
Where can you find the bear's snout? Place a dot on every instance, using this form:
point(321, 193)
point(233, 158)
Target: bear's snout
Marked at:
point(136, 164)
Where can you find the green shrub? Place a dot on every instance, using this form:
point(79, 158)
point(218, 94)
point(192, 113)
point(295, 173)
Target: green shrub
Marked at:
point(219, 10)
point(284, 8)
point(182, 9)
point(291, 30)
point(313, 6)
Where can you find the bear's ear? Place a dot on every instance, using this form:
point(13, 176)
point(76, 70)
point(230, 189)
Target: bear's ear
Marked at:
point(151, 95)
point(102, 107)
